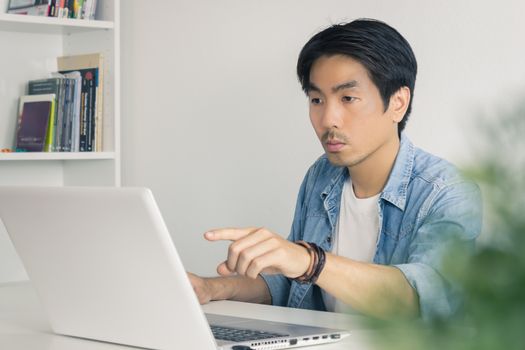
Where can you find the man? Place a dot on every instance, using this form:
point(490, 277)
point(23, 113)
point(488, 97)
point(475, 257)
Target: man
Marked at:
point(374, 214)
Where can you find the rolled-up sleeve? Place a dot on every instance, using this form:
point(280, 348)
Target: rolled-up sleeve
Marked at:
point(453, 216)
point(279, 287)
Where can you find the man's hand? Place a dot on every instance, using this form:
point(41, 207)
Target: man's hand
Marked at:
point(235, 288)
point(256, 250)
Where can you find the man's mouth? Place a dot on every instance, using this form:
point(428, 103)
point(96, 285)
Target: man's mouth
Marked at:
point(334, 145)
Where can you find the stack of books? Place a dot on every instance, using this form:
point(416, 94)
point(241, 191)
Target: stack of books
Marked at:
point(64, 113)
point(81, 9)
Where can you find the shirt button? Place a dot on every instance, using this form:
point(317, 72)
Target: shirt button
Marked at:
point(329, 239)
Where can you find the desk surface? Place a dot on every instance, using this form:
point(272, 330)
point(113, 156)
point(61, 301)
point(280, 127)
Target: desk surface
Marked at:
point(24, 326)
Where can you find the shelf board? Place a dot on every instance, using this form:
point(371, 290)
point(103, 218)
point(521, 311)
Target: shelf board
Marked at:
point(50, 25)
point(56, 155)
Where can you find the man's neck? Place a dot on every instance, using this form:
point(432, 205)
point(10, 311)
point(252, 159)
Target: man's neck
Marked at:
point(370, 176)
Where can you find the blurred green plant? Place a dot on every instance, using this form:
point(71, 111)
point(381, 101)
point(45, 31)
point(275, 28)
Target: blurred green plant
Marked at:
point(493, 277)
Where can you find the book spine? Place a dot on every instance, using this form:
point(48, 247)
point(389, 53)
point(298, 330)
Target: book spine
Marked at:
point(61, 8)
point(76, 4)
point(87, 9)
point(83, 116)
point(64, 116)
point(48, 146)
point(68, 115)
point(70, 8)
point(65, 11)
point(75, 125)
point(52, 8)
point(100, 105)
point(74, 111)
point(19, 123)
point(59, 121)
point(93, 9)
point(91, 115)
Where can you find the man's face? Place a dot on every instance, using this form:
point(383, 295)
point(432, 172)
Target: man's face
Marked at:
point(347, 112)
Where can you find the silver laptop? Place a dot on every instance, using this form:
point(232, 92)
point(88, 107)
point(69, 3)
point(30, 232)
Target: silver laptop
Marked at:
point(104, 266)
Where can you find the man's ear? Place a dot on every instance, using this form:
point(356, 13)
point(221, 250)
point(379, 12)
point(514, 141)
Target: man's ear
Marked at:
point(399, 102)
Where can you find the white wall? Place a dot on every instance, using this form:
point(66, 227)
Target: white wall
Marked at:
point(215, 122)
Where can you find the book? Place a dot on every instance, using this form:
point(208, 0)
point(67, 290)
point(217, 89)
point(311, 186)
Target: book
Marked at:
point(60, 8)
point(33, 124)
point(67, 109)
point(68, 116)
point(76, 109)
point(50, 135)
point(59, 122)
point(55, 86)
point(93, 10)
point(89, 8)
point(30, 7)
point(80, 9)
point(52, 8)
point(14, 4)
point(91, 69)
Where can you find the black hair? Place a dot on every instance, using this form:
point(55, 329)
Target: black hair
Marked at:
point(385, 54)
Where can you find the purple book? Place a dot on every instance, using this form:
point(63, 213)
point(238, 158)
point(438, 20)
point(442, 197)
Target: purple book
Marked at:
point(32, 126)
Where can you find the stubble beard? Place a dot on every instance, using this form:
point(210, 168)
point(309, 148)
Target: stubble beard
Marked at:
point(340, 159)
point(336, 160)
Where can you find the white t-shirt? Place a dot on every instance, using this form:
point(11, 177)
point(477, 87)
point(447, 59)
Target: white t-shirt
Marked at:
point(356, 234)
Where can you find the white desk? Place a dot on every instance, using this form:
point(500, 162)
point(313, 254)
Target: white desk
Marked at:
point(23, 324)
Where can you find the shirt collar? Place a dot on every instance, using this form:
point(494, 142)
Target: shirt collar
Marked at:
point(395, 190)
point(339, 175)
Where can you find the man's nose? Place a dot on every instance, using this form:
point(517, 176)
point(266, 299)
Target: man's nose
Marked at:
point(332, 116)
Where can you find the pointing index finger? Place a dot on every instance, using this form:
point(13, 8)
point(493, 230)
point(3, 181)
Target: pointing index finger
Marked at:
point(231, 234)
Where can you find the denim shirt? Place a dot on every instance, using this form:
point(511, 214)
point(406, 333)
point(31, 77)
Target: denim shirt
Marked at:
point(423, 206)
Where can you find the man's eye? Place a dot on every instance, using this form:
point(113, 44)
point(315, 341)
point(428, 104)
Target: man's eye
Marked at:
point(348, 98)
point(315, 100)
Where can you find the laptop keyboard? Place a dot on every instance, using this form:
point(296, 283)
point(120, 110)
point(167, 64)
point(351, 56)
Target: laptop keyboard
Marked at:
point(239, 334)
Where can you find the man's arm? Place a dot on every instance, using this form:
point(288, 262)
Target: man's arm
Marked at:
point(419, 286)
point(237, 288)
point(453, 219)
point(372, 289)
point(377, 290)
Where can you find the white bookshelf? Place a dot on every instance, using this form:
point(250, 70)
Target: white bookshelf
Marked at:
point(30, 46)
point(57, 156)
point(50, 24)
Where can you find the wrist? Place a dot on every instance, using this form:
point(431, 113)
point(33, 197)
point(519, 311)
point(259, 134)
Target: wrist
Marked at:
point(317, 262)
point(222, 288)
point(309, 261)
